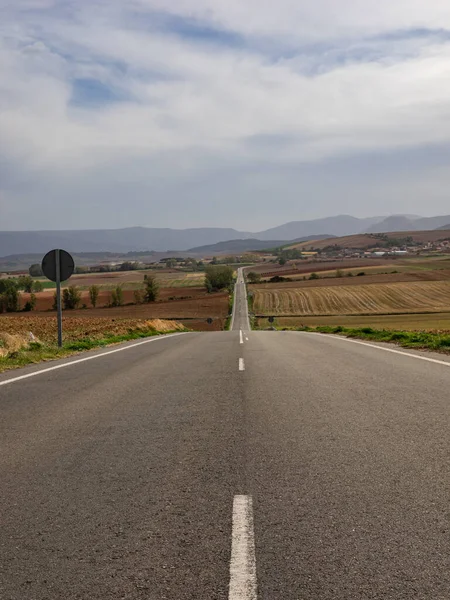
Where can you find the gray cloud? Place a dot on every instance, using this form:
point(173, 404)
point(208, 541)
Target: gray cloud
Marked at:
point(220, 113)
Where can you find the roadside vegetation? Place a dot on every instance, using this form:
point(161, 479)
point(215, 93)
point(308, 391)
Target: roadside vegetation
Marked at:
point(437, 341)
point(25, 341)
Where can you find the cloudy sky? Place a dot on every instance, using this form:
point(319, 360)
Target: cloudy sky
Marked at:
point(241, 113)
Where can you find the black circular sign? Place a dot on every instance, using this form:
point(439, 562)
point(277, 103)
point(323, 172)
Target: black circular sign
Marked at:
point(66, 265)
point(209, 321)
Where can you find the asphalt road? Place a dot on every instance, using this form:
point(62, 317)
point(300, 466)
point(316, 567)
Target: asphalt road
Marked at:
point(274, 465)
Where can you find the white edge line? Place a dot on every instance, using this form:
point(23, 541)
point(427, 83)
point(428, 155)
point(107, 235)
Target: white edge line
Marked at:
point(241, 339)
point(86, 358)
point(344, 339)
point(241, 364)
point(243, 584)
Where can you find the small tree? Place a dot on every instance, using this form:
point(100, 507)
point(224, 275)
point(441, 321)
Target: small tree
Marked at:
point(339, 273)
point(30, 304)
point(282, 260)
point(38, 286)
point(94, 291)
point(35, 270)
point(254, 277)
point(218, 278)
point(314, 276)
point(71, 297)
point(151, 288)
point(117, 296)
point(9, 300)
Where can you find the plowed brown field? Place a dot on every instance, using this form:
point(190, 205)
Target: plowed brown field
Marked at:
point(387, 298)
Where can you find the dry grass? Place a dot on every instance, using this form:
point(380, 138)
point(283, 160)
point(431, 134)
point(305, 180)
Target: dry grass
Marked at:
point(388, 298)
point(75, 328)
point(13, 342)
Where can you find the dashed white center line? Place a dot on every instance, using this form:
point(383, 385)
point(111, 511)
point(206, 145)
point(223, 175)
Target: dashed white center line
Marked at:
point(241, 338)
point(241, 364)
point(243, 584)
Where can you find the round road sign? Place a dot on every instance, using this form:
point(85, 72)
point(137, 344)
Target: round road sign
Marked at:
point(66, 265)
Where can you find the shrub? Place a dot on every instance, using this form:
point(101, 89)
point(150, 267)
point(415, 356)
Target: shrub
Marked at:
point(218, 278)
point(38, 286)
point(9, 300)
point(254, 277)
point(25, 283)
point(117, 296)
point(35, 270)
point(151, 291)
point(362, 274)
point(31, 304)
point(314, 276)
point(339, 273)
point(94, 291)
point(71, 298)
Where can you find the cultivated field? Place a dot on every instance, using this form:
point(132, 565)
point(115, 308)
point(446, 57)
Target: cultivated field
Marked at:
point(405, 322)
point(383, 298)
point(131, 280)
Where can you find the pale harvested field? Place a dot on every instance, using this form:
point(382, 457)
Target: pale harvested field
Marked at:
point(135, 279)
point(385, 298)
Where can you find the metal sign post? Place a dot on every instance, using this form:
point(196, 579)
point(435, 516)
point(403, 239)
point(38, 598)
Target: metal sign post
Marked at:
point(58, 295)
point(58, 266)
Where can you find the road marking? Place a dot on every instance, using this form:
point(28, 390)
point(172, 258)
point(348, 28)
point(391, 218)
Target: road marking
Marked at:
point(80, 360)
point(241, 364)
point(241, 339)
point(243, 561)
point(246, 339)
point(344, 339)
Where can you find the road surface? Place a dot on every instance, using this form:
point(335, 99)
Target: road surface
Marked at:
point(230, 465)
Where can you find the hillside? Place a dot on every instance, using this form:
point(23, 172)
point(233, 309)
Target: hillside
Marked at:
point(248, 245)
point(339, 226)
point(146, 239)
point(408, 223)
point(368, 240)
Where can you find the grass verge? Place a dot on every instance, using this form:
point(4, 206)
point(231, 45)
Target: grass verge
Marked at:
point(36, 352)
point(439, 342)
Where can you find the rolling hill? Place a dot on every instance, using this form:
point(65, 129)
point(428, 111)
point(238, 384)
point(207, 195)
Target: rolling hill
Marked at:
point(368, 240)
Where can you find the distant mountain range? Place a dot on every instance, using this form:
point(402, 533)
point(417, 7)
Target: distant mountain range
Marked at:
point(247, 245)
point(137, 239)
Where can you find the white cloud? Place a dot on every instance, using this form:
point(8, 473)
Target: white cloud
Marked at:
point(204, 102)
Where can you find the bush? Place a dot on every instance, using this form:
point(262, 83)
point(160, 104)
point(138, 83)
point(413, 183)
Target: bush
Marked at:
point(31, 304)
point(38, 286)
point(314, 276)
point(339, 273)
point(94, 291)
point(254, 277)
point(117, 296)
point(36, 270)
point(9, 300)
point(151, 291)
point(218, 278)
point(71, 298)
point(362, 274)
point(25, 283)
